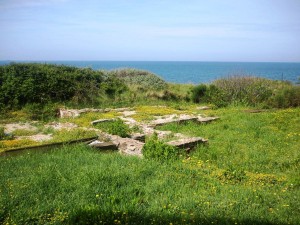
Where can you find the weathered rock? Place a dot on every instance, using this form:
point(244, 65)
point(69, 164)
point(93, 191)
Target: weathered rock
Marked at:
point(129, 121)
point(207, 119)
point(101, 121)
point(187, 143)
point(66, 113)
point(103, 145)
point(138, 137)
point(172, 119)
point(203, 108)
point(128, 113)
point(130, 147)
point(121, 109)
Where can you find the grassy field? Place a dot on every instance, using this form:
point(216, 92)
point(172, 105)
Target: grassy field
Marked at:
point(249, 173)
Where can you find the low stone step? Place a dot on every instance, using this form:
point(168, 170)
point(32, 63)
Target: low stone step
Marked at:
point(187, 143)
point(173, 119)
point(207, 119)
point(138, 137)
point(203, 108)
point(101, 121)
point(103, 145)
point(129, 146)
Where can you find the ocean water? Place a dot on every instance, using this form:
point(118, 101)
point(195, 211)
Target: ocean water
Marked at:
point(196, 72)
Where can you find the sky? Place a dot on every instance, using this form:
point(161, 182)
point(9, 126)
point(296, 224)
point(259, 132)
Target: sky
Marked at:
point(156, 30)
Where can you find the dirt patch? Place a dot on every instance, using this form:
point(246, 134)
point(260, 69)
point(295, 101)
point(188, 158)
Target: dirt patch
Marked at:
point(11, 127)
point(37, 137)
point(60, 126)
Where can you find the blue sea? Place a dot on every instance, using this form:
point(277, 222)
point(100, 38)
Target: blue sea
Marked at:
point(196, 72)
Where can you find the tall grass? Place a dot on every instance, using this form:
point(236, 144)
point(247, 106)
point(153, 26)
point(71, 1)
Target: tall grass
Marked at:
point(247, 91)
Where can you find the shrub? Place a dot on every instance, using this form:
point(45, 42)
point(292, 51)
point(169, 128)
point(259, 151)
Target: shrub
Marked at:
point(140, 78)
point(245, 89)
point(113, 87)
point(157, 150)
point(234, 175)
point(216, 96)
point(2, 134)
point(286, 97)
point(27, 83)
point(198, 93)
point(116, 127)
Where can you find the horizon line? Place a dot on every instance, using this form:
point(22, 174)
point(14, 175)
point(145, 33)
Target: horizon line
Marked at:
point(206, 61)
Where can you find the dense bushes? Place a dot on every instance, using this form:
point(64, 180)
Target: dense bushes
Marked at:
point(22, 84)
point(252, 91)
point(198, 93)
point(286, 97)
point(140, 78)
point(38, 87)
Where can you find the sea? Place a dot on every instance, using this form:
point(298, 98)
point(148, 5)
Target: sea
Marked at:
point(194, 72)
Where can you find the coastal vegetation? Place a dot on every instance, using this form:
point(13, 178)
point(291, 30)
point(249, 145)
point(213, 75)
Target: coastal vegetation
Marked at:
point(248, 173)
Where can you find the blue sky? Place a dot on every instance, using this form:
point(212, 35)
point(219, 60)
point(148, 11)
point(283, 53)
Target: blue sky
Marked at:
point(214, 30)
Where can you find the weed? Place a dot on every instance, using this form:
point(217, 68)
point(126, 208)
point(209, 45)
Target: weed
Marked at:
point(24, 132)
point(158, 150)
point(74, 134)
point(2, 134)
point(116, 127)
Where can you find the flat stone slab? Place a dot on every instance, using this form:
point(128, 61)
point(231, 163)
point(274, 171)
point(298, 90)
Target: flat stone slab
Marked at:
point(187, 143)
point(103, 145)
point(101, 121)
point(128, 113)
point(129, 146)
point(203, 108)
point(207, 119)
point(138, 137)
point(173, 119)
point(129, 121)
point(66, 113)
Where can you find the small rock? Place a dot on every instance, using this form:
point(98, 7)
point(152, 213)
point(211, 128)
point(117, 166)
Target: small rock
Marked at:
point(203, 108)
point(128, 113)
point(207, 119)
point(101, 121)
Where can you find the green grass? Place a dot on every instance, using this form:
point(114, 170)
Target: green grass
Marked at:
point(247, 174)
point(115, 127)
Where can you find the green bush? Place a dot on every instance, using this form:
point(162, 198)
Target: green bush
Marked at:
point(2, 134)
point(141, 79)
point(27, 83)
point(198, 93)
point(234, 175)
point(113, 87)
point(245, 89)
point(116, 127)
point(216, 96)
point(157, 150)
point(286, 97)
point(38, 111)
